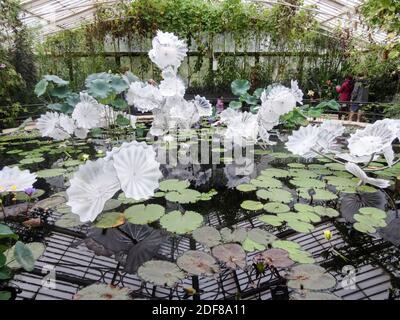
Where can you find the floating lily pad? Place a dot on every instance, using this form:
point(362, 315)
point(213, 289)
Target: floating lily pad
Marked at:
point(335, 166)
point(246, 187)
point(257, 239)
point(207, 236)
point(277, 258)
point(266, 182)
point(276, 207)
point(198, 263)
point(144, 214)
point(110, 220)
point(275, 195)
point(181, 223)
point(251, 205)
point(320, 194)
point(50, 173)
point(300, 226)
point(124, 200)
point(22, 196)
point(308, 183)
point(313, 295)
point(303, 174)
point(235, 235)
point(231, 254)
point(111, 204)
point(161, 273)
point(173, 185)
point(36, 249)
point(32, 160)
point(183, 196)
point(275, 173)
point(69, 220)
point(296, 165)
point(272, 220)
point(326, 212)
point(303, 207)
point(311, 277)
point(102, 291)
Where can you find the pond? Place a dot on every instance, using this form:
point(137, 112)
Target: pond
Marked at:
point(228, 219)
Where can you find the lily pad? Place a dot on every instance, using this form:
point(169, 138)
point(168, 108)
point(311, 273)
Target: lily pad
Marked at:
point(326, 212)
point(173, 185)
point(198, 263)
point(251, 205)
point(275, 173)
point(36, 249)
point(311, 277)
point(275, 195)
point(308, 183)
point(181, 223)
point(231, 254)
point(161, 273)
point(183, 196)
point(277, 258)
point(300, 226)
point(272, 220)
point(110, 220)
point(266, 182)
point(246, 187)
point(144, 214)
point(235, 235)
point(69, 220)
point(276, 207)
point(207, 236)
point(320, 194)
point(50, 173)
point(102, 291)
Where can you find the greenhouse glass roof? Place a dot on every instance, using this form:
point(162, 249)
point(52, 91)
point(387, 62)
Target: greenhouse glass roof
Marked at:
point(51, 16)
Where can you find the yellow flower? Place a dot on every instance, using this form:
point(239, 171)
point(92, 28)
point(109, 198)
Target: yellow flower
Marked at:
point(13, 187)
point(310, 93)
point(190, 291)
point(328, 234)
point(85, 157)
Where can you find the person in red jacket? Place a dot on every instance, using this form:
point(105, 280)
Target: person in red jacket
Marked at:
point(345, 91)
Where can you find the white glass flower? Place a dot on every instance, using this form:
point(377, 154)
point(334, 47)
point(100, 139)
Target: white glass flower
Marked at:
point(335, 127)
point(364, 179)
point(49, 125)
point(144, 97)
point(228, 115)
point(182, 114)
point(81, 133)
point(203, 106)
point(87, 113)
point(137, 169)
point(392, 124)
point(302, 141)
point(167, 50)
point(374, 138)
point(172, 86)
point(243, 129)
point(92, 185)
point(294, 86)
point(14, 179)
point(67, 123)
point(281, 99)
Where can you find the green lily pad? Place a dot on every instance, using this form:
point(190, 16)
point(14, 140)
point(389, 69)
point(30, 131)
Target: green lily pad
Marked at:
point(303, 207)
point(183, 196)
point(22, 196)
point(276, 207)
point(36, 249)
point(111, 205)
point(275, 173)
point(275, 195)
point(181, 223)
point(296, 165)
point(32, 160)
point(246, 187)
point(266, 182)
point(303, 174)
point(300, 226)
point(251, 205)
point(110, 220)
point(124, 200)
point(326, 212)
point(335, 166)
point(69, 220)
point(50, 173)
point(320, 194)
point(207, 236)
point(272, 220)
point(141, 214)
point(308, 183)
point(173, 185)
point(364, 228)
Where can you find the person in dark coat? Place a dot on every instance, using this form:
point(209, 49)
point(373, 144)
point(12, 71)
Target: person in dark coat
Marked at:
point(359, 95)
point(345, 91)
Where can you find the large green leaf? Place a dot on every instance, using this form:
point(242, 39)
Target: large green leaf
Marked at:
point(235, 105)
point(23, 255)
point(181, 223)
point(55, 79)
point(240, 87)
point(5, 295)
point(99, 88)
point(60, 92)
point(6, 232)
point(141, 214)
point(41, 87)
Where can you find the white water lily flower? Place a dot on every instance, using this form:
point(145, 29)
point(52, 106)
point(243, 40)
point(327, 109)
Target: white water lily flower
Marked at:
point(302, 141)
point(13, 179)
point(243, 129)
point(67, 123)
point(92, 185)
point(203, 106)
point(87, 113)
point(145, 97)
point(172, 86)
point(138, 170)
point(167, 50)
point(364, 179)
point(374, 138)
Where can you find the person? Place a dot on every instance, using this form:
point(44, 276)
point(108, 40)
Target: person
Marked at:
point(220, 104)
point(358, 96)
point(345, 91)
